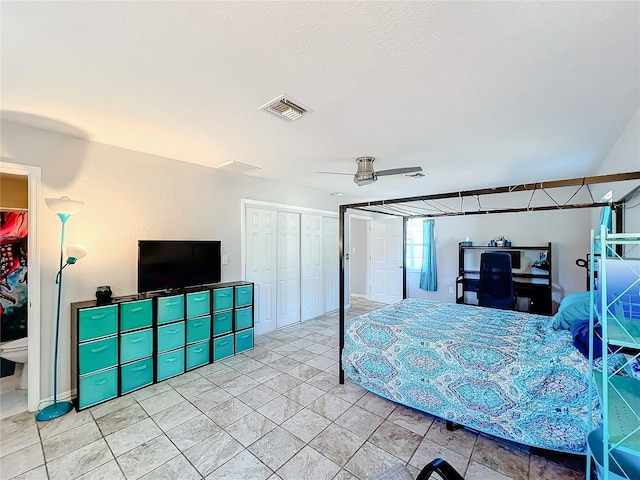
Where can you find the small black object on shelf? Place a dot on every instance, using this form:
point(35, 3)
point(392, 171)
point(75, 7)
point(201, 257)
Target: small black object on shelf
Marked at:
point(103, 295)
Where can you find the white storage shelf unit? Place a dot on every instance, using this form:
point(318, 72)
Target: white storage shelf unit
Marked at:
point(615, 300)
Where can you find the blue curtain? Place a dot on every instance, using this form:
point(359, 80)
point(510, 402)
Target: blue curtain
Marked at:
point(428, 272)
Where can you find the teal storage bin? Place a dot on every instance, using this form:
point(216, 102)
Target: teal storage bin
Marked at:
point(136, 345)
point(198, 304)
point(244, 340)
point(98, 355)
point(97, 388)
point(136, 314)
point(222, 299)
point(244, 295)
point(170, 364)
point(136, 375)
point(170, 309)
point(222, 323)
point(244, 318)
point(198, 329)
point(222, 347)
point(170, 336)
point(98, 322)
point(197, 355)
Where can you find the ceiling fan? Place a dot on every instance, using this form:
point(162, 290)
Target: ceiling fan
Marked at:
point(366, 174)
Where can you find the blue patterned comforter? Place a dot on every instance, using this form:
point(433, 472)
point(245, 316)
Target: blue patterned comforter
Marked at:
point(505, 373)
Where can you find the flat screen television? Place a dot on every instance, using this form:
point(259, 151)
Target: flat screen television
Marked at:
point(177, 264)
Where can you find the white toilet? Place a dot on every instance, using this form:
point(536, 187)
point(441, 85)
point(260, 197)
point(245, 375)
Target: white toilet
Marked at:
point(16, 351)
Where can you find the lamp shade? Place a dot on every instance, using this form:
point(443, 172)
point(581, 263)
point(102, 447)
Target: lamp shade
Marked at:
point(76, 252)
point(64, 205)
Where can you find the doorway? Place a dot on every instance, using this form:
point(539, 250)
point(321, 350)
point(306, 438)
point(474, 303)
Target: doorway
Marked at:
point(24, 257)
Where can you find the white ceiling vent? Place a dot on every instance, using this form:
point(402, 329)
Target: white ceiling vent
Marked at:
point(237, 167)
point(286, 108)
point(414, 175)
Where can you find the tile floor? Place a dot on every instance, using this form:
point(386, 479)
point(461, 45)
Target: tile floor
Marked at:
point(275, 412)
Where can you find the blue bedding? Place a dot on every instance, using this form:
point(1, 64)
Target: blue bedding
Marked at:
point(505, 373)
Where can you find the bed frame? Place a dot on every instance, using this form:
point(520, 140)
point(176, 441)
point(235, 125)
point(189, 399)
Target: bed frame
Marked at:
point(431, 206)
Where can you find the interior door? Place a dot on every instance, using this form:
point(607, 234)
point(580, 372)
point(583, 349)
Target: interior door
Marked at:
point(386, 260)
point(311, 265)
point(288, 271)
point(261, 265)
point(330, 264)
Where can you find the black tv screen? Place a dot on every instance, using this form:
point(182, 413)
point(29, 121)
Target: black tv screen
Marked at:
point(176, 264)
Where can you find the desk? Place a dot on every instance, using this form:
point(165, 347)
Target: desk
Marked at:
point(531, 282)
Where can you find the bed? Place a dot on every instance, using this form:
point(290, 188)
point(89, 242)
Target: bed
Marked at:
point(504, 373)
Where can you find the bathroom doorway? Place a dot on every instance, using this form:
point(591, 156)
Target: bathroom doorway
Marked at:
point(19, 289)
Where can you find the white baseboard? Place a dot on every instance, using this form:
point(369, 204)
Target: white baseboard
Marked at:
point(62, 397)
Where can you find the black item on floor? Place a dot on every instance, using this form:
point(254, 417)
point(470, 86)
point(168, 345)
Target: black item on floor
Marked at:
point(442, 468)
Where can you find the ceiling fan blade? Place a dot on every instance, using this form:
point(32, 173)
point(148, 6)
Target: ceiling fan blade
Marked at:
point(336, 173)
point(398, 171)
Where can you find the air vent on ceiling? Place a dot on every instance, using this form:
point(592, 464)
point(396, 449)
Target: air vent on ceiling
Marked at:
point(286, 108)
point(237, 167)
point(414, 175)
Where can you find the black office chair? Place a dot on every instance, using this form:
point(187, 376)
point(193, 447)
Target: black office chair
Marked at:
point(495, 288)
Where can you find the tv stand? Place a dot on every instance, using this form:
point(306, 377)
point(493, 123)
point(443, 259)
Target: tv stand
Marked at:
point(532, 281)
point(138, 340)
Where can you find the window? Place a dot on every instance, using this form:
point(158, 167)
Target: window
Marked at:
point(415, 244)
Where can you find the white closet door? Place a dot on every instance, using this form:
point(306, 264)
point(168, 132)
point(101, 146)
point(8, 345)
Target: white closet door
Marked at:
point(261, 265)
point(386, 260)
point(288, 272)
point(330, 264)
point(311, 263)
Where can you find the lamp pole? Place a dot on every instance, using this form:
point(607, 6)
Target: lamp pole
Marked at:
point(64, 208)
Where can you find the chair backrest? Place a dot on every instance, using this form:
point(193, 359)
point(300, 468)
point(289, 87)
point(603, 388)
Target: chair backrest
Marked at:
point(495, 288)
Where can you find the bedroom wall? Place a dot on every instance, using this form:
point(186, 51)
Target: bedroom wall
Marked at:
point(567, 230)
point(358, 256)
point(129, 196)
point(625, 157)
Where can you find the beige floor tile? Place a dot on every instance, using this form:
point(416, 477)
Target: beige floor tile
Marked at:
point(428, 450)
point(501, 457)
point(80, 461)
point(477, 471)
point(146, 457)
point(193, 432)
point(370, 461)
point(243, 466)
point(61, 424)
point(178, 468)
point(276, 448)
point(132, 436)
point(279, 409)
point(70, 440)
point(250, 428)
point(107, 471)
point(21, 461)
point(213, 452)
point(337, 443)
point(460, 440)
point(396, 440)
point(112, 422)
point(306, 424)
point(171, 417)
point(359, 421)
point(308, 464)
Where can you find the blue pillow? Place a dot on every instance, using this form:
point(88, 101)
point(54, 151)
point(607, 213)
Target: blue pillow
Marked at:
point(573, 307)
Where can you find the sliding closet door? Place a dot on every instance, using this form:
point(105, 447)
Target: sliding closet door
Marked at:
point(311, 263)
point(386, 260)
point(288, 272)
point(261, 265)
point(330, 263)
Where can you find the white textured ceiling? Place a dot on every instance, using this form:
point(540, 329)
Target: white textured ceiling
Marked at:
point(476, 93)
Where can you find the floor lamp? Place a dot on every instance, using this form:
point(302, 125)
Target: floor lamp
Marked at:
point(64, 207)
